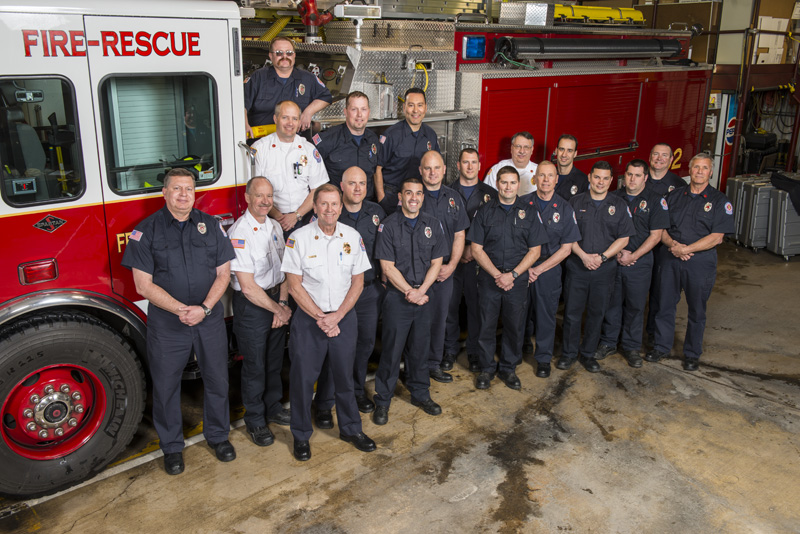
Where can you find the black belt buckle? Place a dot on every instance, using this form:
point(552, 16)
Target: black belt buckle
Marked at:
point(273, 291)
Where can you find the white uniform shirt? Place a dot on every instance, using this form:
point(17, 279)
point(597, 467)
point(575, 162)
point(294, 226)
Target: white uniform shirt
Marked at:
point(293, 169)
point(526, 181)
point(326, 263)
point(259, 250)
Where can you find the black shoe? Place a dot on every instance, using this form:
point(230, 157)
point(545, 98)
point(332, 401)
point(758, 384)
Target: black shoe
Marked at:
point(447, 362)
point(474, 366)
point(441, 376)
point(224, 450)
point(261, 436)
point(603, 351)
point(690, 364)
point(542, 369)
point(564, 363)
point(633, 358)
point(173, 463)
point(324, 419)
point(590, 364)
point(282, 417)
point(381, 415)
point(527, 346)
point(360, 441)
point(365, 405)
point(654, 355)
point(510, 378)
point(484, 380)
point(301, 451)
point(428, 406)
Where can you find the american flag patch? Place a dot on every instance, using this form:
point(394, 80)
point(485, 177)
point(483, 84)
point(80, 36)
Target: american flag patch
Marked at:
point(380, 228)
point(383, 138)
point(316, 139)
point(237, 243)
point(290, 243)
point(136, 235)
point(362, 244)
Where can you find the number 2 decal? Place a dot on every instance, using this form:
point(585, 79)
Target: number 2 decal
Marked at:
point(676, 161)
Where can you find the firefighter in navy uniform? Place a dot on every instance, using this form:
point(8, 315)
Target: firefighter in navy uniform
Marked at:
point(351, 144)
point(544, 277)
point(624, 319)
point(411, 245)
point(606, 226)
point(180, 258)
point(324, 262)
point(465, 278)
point(364, 216)
point(506, 237)
point(571, 181)
point(699, 217)
point(448, 207)
point(404, 143)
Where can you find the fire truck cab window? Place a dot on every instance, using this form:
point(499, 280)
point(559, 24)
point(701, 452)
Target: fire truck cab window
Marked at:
point(40, 156)
point(152, 124)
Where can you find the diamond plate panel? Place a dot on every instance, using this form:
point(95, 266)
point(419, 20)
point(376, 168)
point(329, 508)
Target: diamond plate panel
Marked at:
point(526, 13)
point(394, 34)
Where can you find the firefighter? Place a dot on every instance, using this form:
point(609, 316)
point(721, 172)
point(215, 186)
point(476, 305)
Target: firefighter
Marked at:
point(699, 217)
point(292, 165)
point(411, 245)
point(180, 258)
point(324, 264)
point(404, 143)
point(269, 86)
point(260, 310)
point(364, 216)
point(521, 151)
point(465, 278)
point(624, 319)
point(571, 181)
point(448, 207)
point(506, 237)
point(544, 277)
point(606, 226)
point(351, 143)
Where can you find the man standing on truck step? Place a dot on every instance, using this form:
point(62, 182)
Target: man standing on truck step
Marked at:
point(180, 258)
point(571, 181)
point(260, 310)
point(521, 152)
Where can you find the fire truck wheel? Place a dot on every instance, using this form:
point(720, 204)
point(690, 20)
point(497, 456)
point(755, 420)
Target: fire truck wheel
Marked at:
point(72, 395)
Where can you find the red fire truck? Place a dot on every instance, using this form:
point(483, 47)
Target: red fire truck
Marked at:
point(99, 99)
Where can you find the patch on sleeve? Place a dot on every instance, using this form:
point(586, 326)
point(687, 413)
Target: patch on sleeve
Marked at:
point(136, 235)
point(728, 209)
point(317, 156)
point(361, 242)
point(221, 229)
point(629, 213)
point(238, 243)
point(380, 228)
point(383, 139)
point(316, 139)
point(290, 243)
point(319, 81)
point(664, 204)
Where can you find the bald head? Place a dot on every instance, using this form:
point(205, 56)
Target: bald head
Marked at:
point(354, 188)
point(432, 169)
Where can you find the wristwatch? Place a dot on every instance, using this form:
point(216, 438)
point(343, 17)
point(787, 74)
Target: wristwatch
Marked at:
point(298, 215)
point(603, 258)
point(206, 309)
point(283, 302)
point(514, 274)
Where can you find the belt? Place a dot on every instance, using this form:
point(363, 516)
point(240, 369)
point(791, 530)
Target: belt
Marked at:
point(273, 291)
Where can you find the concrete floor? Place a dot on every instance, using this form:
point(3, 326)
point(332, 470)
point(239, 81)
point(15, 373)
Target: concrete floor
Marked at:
point(654, 450)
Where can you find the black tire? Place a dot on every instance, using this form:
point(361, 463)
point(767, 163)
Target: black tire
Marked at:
point(38, 347)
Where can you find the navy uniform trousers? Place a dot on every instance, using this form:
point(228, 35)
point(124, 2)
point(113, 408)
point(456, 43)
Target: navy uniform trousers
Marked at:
point(695, 278)
point(624, 319)
point(308, 348)
point(465, 282)
point(403, 321)
point(169, 347)
point(367, 310)
point(439, 295)
point(590, 291)
point(544, 295)
point(512, 305)
point(261, 347)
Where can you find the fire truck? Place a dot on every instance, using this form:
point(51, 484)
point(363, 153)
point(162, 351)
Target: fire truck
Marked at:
point(99, 99)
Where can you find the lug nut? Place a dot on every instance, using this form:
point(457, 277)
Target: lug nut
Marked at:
point(49, 389)
point(35, 399)
point(76, 395)
point(31, 426)
point(79, 408)
point(43, 433)
point(59, 432)
point(72, 422)
point(27, 412)
point(64, 388)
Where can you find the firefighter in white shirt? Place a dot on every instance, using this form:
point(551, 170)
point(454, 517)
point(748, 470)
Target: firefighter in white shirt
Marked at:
point(521, 152)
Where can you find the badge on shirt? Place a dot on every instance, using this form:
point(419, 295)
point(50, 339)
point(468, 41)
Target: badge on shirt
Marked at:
point(556, 217)
point(729, 208)
point(428, 232)
point(612, 210)
point(301, 89)
point(573, 190)
point(136, 235)
point(374, 149)
point(346, 248)
point(382, 139)
point(290, 243)
point(429, 145)
point(376, 220)
point(316, 139)
point(533, 181)
point(664, 204)
point(452, 203)
point(238, 243)
point(317, 156)
point(521, 214)
point(643, 205)
point(487, 197)
point(201, 227)
point(303, 160)
point(671, 189)
point(707, 207)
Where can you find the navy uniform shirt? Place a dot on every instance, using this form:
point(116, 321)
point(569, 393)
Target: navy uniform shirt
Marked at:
point(667, 184)
point(340, 151)
point(264, 90)
point(559, 222)
point(694, 217)
point(574, 183)
point(182, 262)
point(600, 226)
point(402, 150)
point(449, 208)
point(481, 194)
point(506, 236)
point(649, 211)
point(411, 249)
point(366, 222)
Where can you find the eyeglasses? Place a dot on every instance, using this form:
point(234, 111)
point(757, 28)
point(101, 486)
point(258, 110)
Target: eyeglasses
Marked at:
point(287, 53)
point(523, 147)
